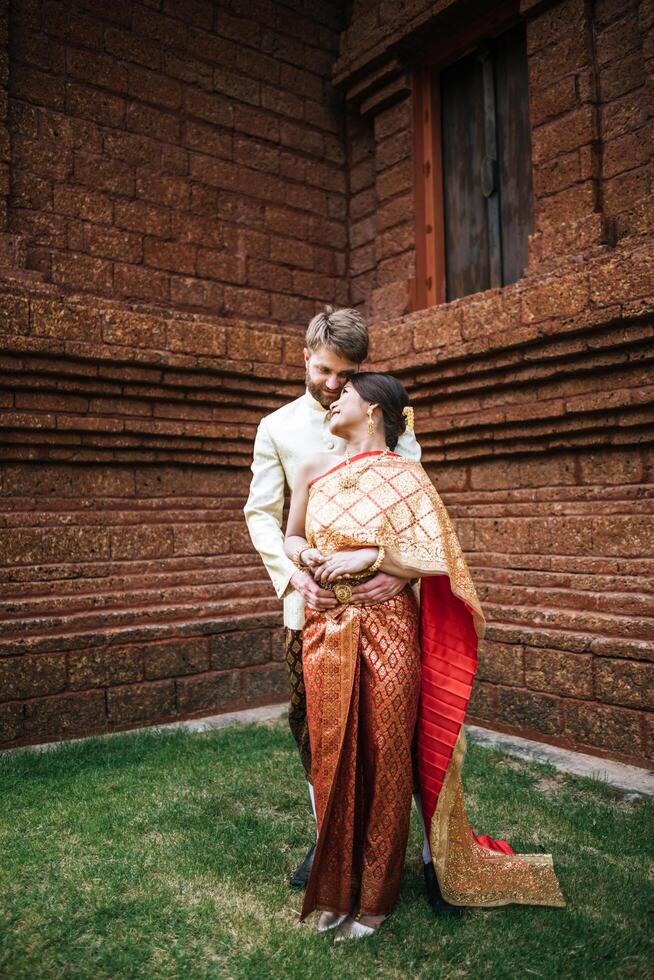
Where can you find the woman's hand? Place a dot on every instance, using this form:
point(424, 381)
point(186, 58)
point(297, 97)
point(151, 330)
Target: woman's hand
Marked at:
point(312, 558)
point(344, 563)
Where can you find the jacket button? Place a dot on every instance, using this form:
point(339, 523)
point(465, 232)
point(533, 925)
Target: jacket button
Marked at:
point(330, 445)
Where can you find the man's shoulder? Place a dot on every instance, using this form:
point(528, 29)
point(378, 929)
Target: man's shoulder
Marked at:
point(281, 416)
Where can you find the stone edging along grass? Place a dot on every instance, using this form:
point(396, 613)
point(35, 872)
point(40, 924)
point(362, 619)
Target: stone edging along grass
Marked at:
point(629, 779)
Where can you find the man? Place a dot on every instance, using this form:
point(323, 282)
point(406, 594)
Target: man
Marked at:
point(336, 345)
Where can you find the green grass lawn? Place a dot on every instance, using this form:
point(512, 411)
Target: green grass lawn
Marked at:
point(166, 855)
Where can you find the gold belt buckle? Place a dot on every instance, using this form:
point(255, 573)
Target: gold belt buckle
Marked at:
point(343, 592)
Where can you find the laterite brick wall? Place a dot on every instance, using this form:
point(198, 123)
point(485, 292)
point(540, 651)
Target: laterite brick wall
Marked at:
point(185, 184)
point(182, 153)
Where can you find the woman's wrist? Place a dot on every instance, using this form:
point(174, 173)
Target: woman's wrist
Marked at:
point(381, 554)
point(296, 557)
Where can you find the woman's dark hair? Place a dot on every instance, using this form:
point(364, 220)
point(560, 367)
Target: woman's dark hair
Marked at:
point(387, 392)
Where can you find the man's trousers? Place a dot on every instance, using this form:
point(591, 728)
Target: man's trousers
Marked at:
point(297, 709)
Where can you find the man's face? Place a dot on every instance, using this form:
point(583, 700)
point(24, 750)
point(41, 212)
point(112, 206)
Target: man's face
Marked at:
point(326, 374)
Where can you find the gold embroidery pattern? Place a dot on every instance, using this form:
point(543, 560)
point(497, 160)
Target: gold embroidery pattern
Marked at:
point(362, 674)
point(470, 874)
point(394, 504)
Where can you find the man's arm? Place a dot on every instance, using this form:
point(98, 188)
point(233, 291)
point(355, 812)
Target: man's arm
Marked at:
point(265, 508)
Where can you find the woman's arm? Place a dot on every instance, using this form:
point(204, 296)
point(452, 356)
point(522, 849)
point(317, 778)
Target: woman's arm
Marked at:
point(295, 540)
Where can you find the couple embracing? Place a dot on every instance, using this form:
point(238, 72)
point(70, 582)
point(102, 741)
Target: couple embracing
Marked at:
point(382, 625)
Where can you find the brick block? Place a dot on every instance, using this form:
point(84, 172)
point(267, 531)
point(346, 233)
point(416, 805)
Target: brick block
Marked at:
point(20, 546)
point(44, 157)
point(104, 667)
point(198, 228)
point(77, 271)
point(174, 256)
point(176, 659)
point(483, 701)
point(554, 100)
point(141, 702)
point(89, 103)
point(501, 663)
point(72, 26)
point(167, 189)
point(104, 173)
point(390, 301)
point(168, 31)
point(562, 295)
point(559, 673)
point(437, 328)
point(269, 276)
point(624, 682)
point(209, 692)
point(139, 216)
point(622, 192)
point(244, 344)
point(625, 152)
point(65, 714)
point(240, 649)
point(186, 291)
point(250, 303)
point(625, 114)
point(39, 228)
point(207, 139)
point(197, 338)
point(76, 544)
point(153, 87)
point(31, 676)
point(37, 87)
point(146, 119)
point(394, 181)
point(141, 283)
point(314, 285)
point(202, 539)
point(132, 148)
point(11, 722)
point(80, 202)
point(525, 710)
point(129, 47)
point(566, 133)
point(223, 266)
point(133, 329)
point(98, 69)
point(622, 76)
point(604, 727)
point(110, 243)
point(267, 684)
point(622, 536)
point(556, 174)
point(189, 70)
point(141, 542)
point(213, 108)
point(14, 314)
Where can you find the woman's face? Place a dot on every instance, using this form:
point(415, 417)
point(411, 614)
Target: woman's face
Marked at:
point(349, 411)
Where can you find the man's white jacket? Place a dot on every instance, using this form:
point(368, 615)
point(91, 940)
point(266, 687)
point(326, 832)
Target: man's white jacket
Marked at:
point(284, 439)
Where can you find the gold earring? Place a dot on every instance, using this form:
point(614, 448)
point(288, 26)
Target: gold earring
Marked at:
point(371, 424)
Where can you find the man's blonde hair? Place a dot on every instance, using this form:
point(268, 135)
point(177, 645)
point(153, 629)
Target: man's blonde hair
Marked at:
point(342, 331)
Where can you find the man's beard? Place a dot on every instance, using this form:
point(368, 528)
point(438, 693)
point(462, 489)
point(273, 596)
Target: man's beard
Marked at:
point(318, 393)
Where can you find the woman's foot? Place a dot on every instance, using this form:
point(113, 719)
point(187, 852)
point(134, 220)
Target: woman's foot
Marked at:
point(329, 920)
point(359, 927)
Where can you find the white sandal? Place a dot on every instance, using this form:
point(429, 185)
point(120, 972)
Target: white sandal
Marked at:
point(353, 929)
point(329, 920)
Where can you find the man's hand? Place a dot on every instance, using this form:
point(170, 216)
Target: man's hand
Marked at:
point(377, 589)
point(313, 595)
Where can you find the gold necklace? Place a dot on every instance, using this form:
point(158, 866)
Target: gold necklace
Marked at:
point(349, 479)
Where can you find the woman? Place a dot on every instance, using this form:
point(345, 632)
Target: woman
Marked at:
point(372, 672)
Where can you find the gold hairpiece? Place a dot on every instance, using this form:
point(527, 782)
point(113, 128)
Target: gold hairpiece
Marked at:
point(407, 412)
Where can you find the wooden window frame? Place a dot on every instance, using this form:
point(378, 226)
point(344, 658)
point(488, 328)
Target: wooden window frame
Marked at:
point(428, 286)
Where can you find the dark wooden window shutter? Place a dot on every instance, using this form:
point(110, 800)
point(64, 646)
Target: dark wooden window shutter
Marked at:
point(486, 153)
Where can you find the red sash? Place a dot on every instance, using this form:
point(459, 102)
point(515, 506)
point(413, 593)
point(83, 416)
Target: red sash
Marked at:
point(448, 642)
